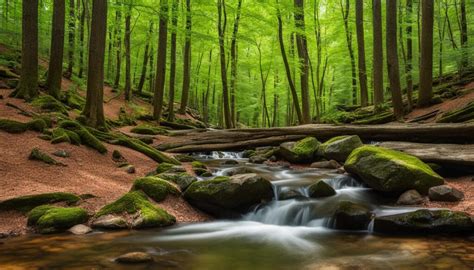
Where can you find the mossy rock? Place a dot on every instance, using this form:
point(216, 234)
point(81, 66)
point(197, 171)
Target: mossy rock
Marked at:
point(183, 180)
point(49, 219)
point(38, 124)
point(303, 151)
point(391, 171)
point(26, 203)
point(339, 148)
point(60, 136)
point(85, 136)
point(167, 167)
point(16, 127)
point(321, 189)
point(149, 130)
point(352, 216)
point(425, 222)
point(198, 164)
point(146, 214)
point(49, 104)
point(229, 196)
point(38, 155)
point(156, 188)
point(184, 158)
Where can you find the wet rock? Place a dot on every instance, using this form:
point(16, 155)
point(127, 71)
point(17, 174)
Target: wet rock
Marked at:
point(339, 148)
point(80, 229)
point(248, 153)
point(239, 170)
point(410, 197)
point(155, 188)
point(321, 189)
point(62, 153)
point(183, 180)
point(257, 159)
point(445, 193)
point(289, 195)
point(130, 169)
point(303, 151)
point(229, 196)
point(110, 222)
point(134, 258)
point(331, 164)
point(391, 171)
point(425, 222)
point(352, 216)
point(230, 162)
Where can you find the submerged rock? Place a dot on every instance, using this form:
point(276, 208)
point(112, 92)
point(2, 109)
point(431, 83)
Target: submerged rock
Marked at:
point(445, 193)
point(110, 222)
point(80, 229)
point(391, 171)
point(410, 197)
point(425, 222)
point(229, 196)
point(303, 151)
point(321, 189)
point(134, 258)
point(352, 216)
point(339, 148)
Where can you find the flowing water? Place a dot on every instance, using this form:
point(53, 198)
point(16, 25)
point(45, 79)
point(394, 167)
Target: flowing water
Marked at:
point(283, 234)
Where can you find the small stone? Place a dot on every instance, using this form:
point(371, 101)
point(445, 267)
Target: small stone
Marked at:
point(130, 169)
point(62, 153)
point(134, 258)
point(445, 193)
point(230, 162)
point(410, 197)
point(80, 229)
point(257, 159)
point(320, 190)
point(110, 222)
point(332, 164)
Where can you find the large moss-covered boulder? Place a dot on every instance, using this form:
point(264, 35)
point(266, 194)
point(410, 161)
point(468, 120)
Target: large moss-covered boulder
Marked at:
point(425, 221)
point(144, 214)
point(183, 180)
point(391, 171)
point(50, 219)
point(339, 148)
point(229, 196)
point(26, 203)
point(303, 151)
point(156, 188)
point(352, 216)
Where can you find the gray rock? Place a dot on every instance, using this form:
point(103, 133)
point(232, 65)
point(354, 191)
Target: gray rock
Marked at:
point(230, 162)
point(130, 169)
point(62, 153)
point(80, 229)
point(289, 194)
point(134, 258)
point(410, 197)
point(352, 216)
point(303, 151)
point(339, 148)
point(110, 222)
point(257, 159)
point(445, 193)
point(331, 164)
point(321, 189)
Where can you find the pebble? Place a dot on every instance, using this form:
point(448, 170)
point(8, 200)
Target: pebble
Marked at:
point(80, 229)
point(62, 153)
point(134, 258)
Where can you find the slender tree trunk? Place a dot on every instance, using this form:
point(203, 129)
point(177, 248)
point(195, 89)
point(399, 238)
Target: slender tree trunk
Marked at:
point(174, 23)
point(28, 86)
point(425, 92)
point(71, 39)
point(392, 59)
point(221, 27)
point(364, 94)
point(152, 71)
point(161, 61)
point(128, 80)
point(118, 47)
point(345, 9)
point(55, 70)
point(81, 39)
point(378, 53)
point(464, 37)
point(94, 110)
point(146, 56)
point(409, 64)
point(186, 61)
point(233, 66)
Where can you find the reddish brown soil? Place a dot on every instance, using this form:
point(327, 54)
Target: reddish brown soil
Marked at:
point(466, 185)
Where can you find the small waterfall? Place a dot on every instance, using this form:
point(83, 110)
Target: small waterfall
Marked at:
point(215, 155)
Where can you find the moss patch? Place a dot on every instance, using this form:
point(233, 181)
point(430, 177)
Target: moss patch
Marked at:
point(156, 188)
point(56, 219)
point(38, 155)
point(12, 126)
point(49, 104)
point(85, 136)
point(26, 203)
point(148, 130)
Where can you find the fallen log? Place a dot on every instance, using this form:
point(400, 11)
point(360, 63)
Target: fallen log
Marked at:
point(234, 138)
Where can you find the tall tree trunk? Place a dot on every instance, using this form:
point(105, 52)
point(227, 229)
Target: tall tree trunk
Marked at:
point(378, 53)
point(85, 6)
point(409, 63)
point(464, 37)
point(94, 110)
point(174, 23)
point(146, 56)
point(28, 86)
point(303, 59)
point(345, 9)
point(152, 72)
point(118, 47)
point(289, 76)
point(233, 66)
point(128, 80)
point(55, 70)
point(71, 38)
point(186, 61)
point(221, 28)
point(425, 92)
point(161, 61)
point(364, 94)
point(392, 59)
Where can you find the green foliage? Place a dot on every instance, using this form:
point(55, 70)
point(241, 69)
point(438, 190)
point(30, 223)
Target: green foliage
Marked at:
point(26, 203)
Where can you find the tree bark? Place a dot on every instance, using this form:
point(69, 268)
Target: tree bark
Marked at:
point(378, 53)
point(85, 6)
point(118, 47)
point(364, 94)
point(174, 23)
point(71, 38)
point(221, 28)
point(146, 56)
point(28, 85)
point(233, 66)
point(392, 59)
point(161, 61)
point(55, 70)
point(409, 64)
point(425, 92)
point(94, 110)
point(186, 61)
point(345, 9)
point(128, 80)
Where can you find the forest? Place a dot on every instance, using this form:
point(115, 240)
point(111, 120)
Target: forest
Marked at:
point(266, 134)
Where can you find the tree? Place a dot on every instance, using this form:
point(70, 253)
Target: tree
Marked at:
point(28, 85)
point(345, 9)
point(302, 47)
point(71, 38)
point(221, 27)
point(186, 60)
point(128, 32)
point(174, 23)
point(464, 37)
point(364, 95)
point(161, 61)
point(82, 31)
point(55, 70)
point(392, 58)
point(409, 62)
point(233, 66)
point(118, 46)
point(146, 56)
point(425, 92)
point(94, 110)
point(378, 53)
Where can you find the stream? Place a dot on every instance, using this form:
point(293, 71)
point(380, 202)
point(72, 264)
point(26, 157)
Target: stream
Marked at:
point(283, 234)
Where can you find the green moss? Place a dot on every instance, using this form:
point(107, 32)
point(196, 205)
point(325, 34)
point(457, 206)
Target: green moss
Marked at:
point(335, 139)
point(60, 136)
point(38, 124)
point(11, 126)
point(74, 100)
point(183, 180)
point(145, 149)
point(339, 148)
point(36, 213)
point(38, 155)
point(156, 188)
point(137, 201)
point(163, 167)
point(60, 219)
point(382, 118)
point(184, 158)
point(85, 136)
point(198, 164)
point(305, 146)
point(148, 130)
point(74, 137)
point(202, 172)
point(50, 104)
point(26, 203)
